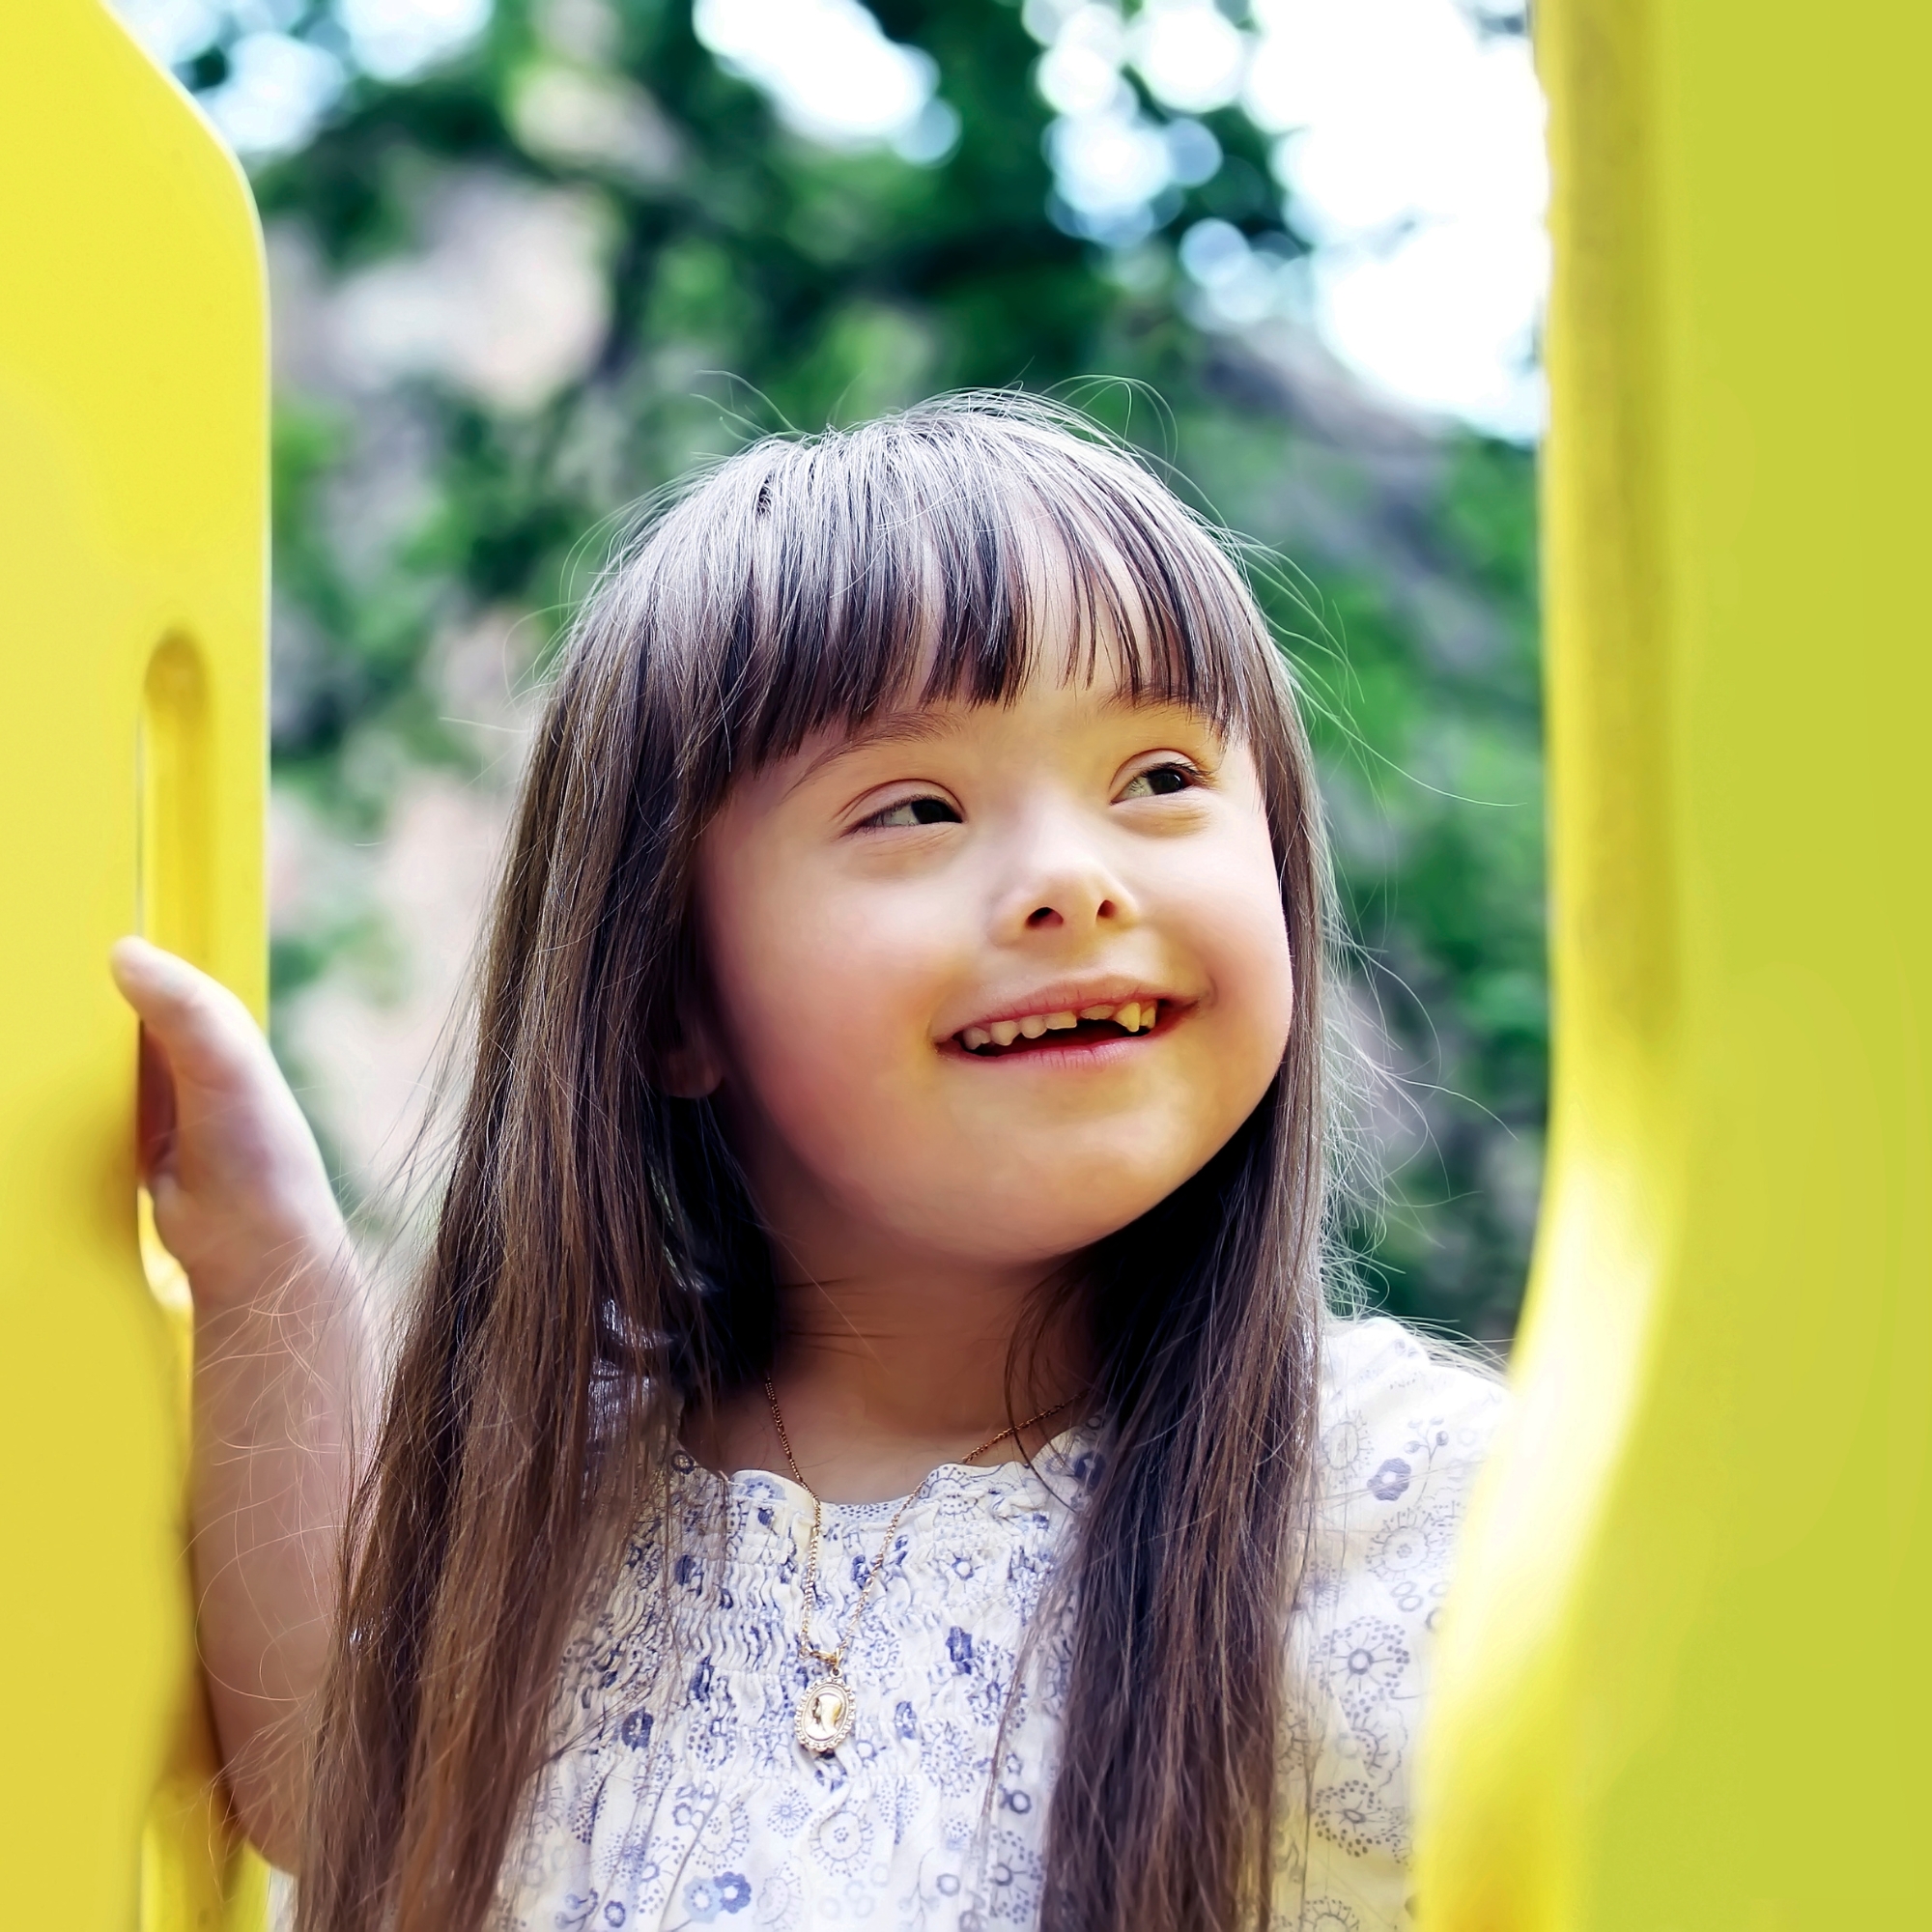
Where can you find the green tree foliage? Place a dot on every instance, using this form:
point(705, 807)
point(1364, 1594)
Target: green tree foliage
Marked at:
point(754, 280)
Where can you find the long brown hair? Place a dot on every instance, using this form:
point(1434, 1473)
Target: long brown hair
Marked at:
point(596, 1266)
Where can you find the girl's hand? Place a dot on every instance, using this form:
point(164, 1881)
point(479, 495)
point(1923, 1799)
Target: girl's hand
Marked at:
point(239, 1190)
point(244, 1204)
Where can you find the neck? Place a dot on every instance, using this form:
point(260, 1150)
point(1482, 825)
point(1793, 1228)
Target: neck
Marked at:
point(883, 1374)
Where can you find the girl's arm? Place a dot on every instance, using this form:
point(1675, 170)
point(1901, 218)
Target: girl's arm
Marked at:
point(244, 1203)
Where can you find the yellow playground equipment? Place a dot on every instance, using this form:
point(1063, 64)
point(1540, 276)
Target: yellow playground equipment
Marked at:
point(1686, 1678)
point(1685, 1674)
point(133, 497)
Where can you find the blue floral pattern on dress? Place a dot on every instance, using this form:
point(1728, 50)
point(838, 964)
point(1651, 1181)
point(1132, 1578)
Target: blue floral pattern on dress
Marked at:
point(679, 1797)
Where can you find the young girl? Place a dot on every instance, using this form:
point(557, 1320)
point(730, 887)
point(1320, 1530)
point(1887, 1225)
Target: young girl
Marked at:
point(868, 1445)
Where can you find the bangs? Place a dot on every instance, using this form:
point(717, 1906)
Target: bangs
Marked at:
point(953, 552)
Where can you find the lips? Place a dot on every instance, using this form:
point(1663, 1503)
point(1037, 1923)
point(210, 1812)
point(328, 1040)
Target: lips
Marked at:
point(1058, 1026)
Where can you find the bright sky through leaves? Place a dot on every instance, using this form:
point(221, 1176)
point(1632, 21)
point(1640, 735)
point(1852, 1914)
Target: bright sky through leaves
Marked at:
point(1409, 145)
point(1409, 150)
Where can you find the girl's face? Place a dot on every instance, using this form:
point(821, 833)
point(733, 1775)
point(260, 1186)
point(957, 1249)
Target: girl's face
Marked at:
point(989, 980)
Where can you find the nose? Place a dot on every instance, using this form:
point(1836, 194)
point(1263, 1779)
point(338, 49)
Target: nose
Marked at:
point(1063, 880)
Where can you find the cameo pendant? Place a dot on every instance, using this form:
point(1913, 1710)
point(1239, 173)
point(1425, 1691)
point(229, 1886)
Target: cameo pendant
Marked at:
point(825, 1715)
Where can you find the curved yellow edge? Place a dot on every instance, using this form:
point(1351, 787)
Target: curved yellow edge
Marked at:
point(1683, 1680)
point(133, 748)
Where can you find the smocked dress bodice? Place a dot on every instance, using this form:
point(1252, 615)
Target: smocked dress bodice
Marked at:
point(680, 1796)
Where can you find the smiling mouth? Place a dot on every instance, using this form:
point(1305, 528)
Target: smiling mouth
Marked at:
point(1091, 1026)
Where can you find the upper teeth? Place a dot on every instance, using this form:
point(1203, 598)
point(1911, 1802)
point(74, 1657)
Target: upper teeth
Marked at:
point(1136, 1016)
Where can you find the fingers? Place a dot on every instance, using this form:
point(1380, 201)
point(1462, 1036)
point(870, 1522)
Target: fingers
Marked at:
point(204, 1032)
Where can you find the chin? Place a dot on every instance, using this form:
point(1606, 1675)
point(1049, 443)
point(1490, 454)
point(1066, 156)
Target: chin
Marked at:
point(1059, 1219)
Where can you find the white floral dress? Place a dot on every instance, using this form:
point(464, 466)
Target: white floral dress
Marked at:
point(681, 1797)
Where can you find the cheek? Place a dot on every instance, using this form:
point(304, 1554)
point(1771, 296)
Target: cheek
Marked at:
point(1232, 905)
point(1257, 983)
point(823, 1002)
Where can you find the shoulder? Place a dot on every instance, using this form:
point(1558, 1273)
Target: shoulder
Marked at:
point(1406, 1424)
point(1398, 1408)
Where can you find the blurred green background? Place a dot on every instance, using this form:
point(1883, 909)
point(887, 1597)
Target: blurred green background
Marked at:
point(529, 274)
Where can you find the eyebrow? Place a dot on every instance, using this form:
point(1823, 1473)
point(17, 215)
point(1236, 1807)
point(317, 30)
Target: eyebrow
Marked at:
point(893, 727)
point(1121, 698)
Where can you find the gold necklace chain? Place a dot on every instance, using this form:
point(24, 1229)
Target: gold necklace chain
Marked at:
point(825, 1712)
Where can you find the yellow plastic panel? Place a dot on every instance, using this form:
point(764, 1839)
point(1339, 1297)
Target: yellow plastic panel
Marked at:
point(1685, 1683)
point(133, 524)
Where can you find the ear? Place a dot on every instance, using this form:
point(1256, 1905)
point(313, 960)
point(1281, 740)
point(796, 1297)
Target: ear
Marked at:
point(691, 1070)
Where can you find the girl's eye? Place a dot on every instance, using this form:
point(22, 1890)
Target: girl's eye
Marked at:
point(1161, 781)
point(916, 811)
